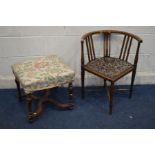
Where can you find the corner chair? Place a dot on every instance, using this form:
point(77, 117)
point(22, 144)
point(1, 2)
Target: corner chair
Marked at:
point(108, 65)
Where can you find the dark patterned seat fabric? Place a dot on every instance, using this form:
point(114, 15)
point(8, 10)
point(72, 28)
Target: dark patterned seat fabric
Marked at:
point(109, 67)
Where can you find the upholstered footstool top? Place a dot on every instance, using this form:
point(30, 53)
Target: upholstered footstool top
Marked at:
point(42, 73)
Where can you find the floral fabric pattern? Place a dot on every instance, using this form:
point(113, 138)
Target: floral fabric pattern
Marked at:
point(42, 73)
point(109, 67)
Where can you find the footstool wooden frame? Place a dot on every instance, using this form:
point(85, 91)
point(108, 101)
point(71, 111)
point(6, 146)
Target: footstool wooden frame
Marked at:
point(42, 100)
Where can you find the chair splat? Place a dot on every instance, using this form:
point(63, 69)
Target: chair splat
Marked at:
point(90, 48)
point(125, 50)
point(106, 44)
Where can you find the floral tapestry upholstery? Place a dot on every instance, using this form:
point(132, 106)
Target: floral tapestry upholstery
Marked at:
point(109, 67)
point(42, 73)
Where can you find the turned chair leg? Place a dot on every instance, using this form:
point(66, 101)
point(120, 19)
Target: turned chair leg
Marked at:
point(70, 92)
point(82, 82)
point(19, 90)
point(111, 93)
point(29, 104)
point(132, 83)
point(71, 96)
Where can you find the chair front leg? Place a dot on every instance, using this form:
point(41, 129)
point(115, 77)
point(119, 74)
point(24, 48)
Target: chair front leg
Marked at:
point(82, 82)
point(132, 82)
point(111, 93)
point(19, 90)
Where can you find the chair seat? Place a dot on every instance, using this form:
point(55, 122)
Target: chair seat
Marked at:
point(42, 73)
point(109, 67)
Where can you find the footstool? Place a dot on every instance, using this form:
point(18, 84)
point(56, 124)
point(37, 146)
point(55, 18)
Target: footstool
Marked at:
point(43, 73)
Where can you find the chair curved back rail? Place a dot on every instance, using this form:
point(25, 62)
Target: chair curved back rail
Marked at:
point(125, 47)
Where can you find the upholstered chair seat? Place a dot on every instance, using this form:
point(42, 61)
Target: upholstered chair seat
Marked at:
point(109, 68)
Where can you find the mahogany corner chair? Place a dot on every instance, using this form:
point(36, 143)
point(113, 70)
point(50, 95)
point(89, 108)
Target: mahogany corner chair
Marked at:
point(110, 66)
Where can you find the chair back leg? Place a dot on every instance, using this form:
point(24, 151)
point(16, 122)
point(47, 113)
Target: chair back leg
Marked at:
point(82, 82)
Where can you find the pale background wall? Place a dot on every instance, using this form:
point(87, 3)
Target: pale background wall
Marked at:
point(20, 43)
